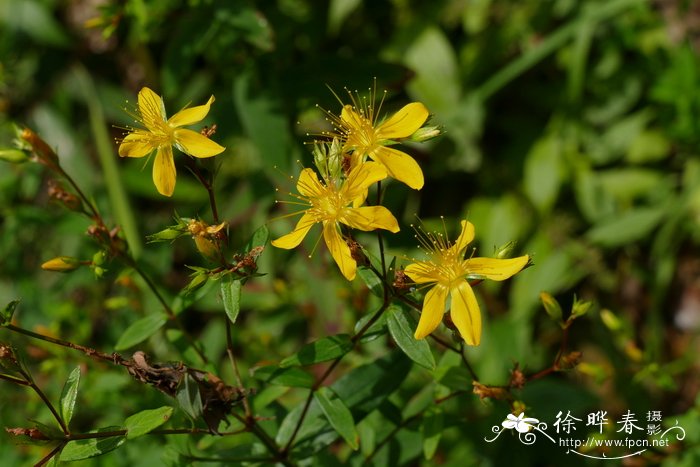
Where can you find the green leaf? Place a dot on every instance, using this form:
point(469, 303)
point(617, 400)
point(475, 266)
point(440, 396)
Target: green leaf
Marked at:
point(543, 172)
point(259, 238)
point(338, 415)
point(293, 376)
point(93, 447)
point(141, 330)
point(377, 329)
point(322, 350)
point(374, 284)
point(626, 228)
point(402, 327)
point(431, 429)
point(8, 312)
point(231, 295)
point(146, 421)
point(69, 395)
point(188, 397)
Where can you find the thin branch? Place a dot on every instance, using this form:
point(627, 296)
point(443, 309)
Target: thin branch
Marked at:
point(234, 367)
point(55, 451)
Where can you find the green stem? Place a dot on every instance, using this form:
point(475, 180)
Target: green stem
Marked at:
point(168, 310)
point(47, 402)
point(234, 367)
point(50, 455)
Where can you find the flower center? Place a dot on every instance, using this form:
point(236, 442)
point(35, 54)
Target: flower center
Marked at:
point(361, 134)
point(329, 206)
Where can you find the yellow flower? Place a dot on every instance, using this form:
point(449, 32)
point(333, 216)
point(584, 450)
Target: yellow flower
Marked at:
point(449, 272)
point(161, 134)
point(333, 203)
point(367, 138)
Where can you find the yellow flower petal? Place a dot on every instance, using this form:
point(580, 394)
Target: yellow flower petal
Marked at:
point(400, 166)
point(152, 109)
point(360, 178)
point(421, 272)
point(370, 218)
point(195, 144)
point(164, 171)
point(496, 269)
point(136, 144)
point(191, 115)
point(465, 313)
point(433, 309)
point(351, 119)
point(465, 237)
point(339, 250)
point(404, 123)
point(308, 184)
point(294, 238)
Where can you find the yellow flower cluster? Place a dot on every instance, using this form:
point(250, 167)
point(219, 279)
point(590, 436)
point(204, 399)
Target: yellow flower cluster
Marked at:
point(361, 153)
point(339, 198)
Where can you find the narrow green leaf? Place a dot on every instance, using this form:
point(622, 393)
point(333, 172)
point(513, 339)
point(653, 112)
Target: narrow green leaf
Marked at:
point(146, 421)
point(86, 448)
point(292, 376)
point(7, 312)
point(69, 395)
point(322, 350)
point(231, 295)
point(627, 227)
point(402, 327)
point(141, 330)
point(373, 283)
point(189, 399)
point(338, 416)
point(431, 429)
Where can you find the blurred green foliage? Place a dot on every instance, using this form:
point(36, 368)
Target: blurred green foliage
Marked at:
point(571, 127)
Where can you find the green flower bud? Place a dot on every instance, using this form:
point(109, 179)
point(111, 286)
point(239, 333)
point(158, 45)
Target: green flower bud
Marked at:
point(426, 133)
point(551, 306)
point(14, 156)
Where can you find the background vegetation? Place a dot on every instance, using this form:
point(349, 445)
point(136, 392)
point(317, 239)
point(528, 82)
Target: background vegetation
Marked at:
point(570, 126)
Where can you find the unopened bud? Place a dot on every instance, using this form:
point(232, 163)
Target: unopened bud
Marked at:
point(580, 308)
point(328, 158)
point(14, 156)
point(426, 133)
point(42, 151)
point(551, 306)
point(505, 251)
point(61, 264)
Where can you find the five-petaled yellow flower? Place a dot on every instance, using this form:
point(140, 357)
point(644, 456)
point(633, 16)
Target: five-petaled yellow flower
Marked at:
point(333, 203)
point(161, 134)
point(361, 134)
point(450, 271)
